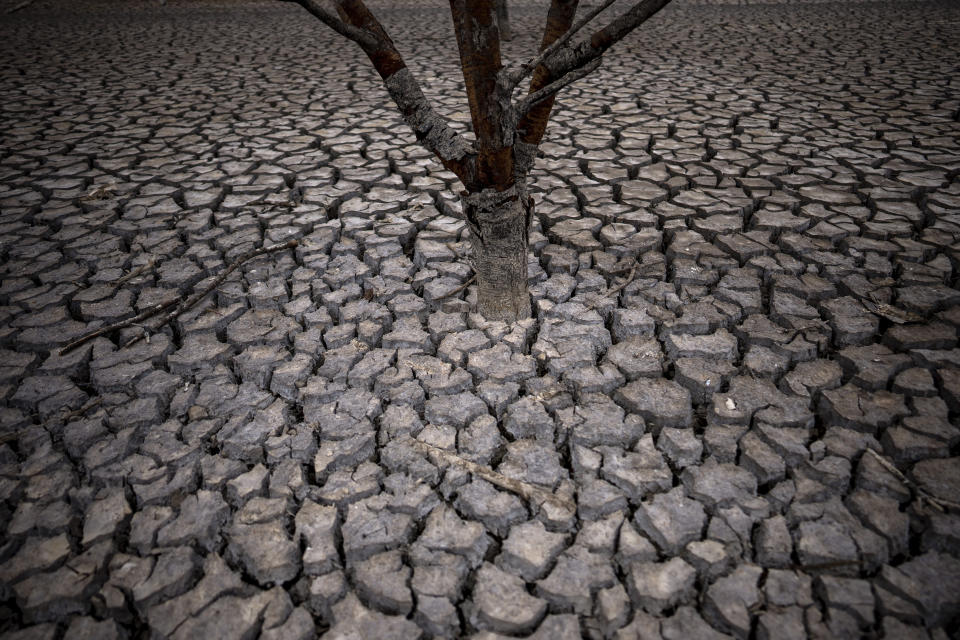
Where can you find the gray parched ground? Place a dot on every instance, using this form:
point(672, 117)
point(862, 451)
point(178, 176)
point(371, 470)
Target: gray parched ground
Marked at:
point(756, 437)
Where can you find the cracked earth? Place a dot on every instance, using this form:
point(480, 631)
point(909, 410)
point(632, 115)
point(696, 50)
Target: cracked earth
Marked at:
point(741, 384)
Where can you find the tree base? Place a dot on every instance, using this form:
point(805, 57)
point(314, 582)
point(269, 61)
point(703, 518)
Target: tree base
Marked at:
point(498, 227)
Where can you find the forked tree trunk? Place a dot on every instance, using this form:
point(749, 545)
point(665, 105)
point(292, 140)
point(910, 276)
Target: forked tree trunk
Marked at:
point(494, 169)
point(498, 232)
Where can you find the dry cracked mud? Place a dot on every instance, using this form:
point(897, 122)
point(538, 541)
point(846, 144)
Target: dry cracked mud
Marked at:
point(755, 437)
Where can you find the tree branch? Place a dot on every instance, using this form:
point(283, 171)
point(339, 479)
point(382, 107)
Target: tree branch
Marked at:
point(361, 37)
point(531, 493)
point(21, 6)
point(527, 68)
point(356, 22)
point(454, 292)
point(534, 123)
point(565, 59)
point(524, 106)
point(503, 20)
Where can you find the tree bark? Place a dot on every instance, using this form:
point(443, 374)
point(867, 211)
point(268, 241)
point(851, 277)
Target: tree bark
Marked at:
point(478, 38)
point(559, 19)
point(498, 230)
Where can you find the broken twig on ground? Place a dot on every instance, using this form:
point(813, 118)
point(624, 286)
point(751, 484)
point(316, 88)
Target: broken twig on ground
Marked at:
point(622, 285)
point(466, 284)
point(181, 305)
point(135, 272)
point(939, 504)
point(100, 193)
point(192, 301)
point(89, 404)
point(617, 289)
point(524, 490)
point(891, 313)
point(20, 7)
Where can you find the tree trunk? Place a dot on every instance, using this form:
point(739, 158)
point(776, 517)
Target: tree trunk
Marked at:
point(498, 227)
point(503, 19)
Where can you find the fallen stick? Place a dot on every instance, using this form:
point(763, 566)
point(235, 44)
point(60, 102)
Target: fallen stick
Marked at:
point(524, 490)
point(466, 284)
point(891, 313)
point(626, 269)
point(22, 5)
point(97, 193)
point(622, 285)
point(453, 249)
point(181, 305)
point(939, 504)
point(65, 416)
point(143, 336)
point(135, 272)
point(82, 410)
point(617, 289)
point(193, 300)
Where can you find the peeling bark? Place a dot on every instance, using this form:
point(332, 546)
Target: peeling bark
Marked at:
point(524, 155)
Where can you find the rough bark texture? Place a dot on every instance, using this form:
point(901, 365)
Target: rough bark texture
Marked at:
point(356, 22)
point(498, 225)
point(431, 130)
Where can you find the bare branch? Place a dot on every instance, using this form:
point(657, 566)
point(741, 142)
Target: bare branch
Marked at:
point(532, 126)
point(528, 67)
point(454, 292)
point(562, 59)
point(503, 20)
point(617, 289)
point(565, 59)
point(940, 504)
point(180, 304)
point(135, 272)
point(356, 22)
point(361, 37)
point(524, 106)
point(433, 132)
